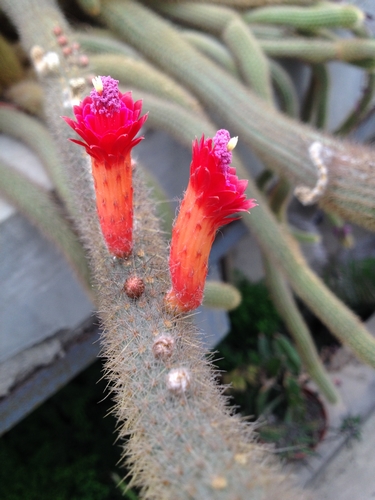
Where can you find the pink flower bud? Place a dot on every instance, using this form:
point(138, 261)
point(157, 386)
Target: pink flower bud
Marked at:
point(108, 122)
point(213, 196)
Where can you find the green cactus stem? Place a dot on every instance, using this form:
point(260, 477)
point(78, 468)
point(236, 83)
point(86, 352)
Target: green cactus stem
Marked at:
point(279, 200)
point(212, 48)
point(167, 115)
point(11, 68)
point(251, 60)
point(33, 133)
point(271, 31)
point(284, 252)
point(355, 51)
point(219, 295)
point(143, 76)
point(211, 18)
point(27, 95)
point(321, 75)
point(315, 110)
point(322, 15)
point(91, 7)
point(99, 41)
point(285, 89)
point(276, 41)
point(279, 140)
point(282, 82)
point(37, 205)
point(286, 306)
point(304, 236)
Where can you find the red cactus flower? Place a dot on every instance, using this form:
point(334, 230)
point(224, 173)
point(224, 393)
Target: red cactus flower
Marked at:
point(213, 196)
point(108, 122)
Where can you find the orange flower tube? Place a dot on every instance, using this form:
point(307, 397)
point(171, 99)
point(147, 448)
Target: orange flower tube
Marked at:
point(108, 122)
point(214, 194)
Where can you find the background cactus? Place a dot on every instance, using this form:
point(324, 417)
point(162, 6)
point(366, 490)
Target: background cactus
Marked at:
point(184, 442)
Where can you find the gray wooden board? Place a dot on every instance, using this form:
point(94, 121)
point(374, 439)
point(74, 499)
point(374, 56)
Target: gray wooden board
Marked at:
point(39, 294)
point(45, 381)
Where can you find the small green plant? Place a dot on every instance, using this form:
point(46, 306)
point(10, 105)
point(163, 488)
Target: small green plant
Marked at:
point(351, 428)
point(255, 314)
point(353, 281)
point(271, 377)
point(268, 383)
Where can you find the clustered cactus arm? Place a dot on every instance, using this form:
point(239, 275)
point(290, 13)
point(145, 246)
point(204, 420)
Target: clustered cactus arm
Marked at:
point(183, 440)
point(278, 140)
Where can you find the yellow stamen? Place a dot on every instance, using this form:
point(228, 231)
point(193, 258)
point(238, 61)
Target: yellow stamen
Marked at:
point(232, 143)
point(98, 84)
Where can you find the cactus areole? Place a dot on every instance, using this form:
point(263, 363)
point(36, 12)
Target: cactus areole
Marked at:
point(213, 196)
point(108, 122)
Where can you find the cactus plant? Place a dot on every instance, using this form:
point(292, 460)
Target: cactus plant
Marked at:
point(184, 441)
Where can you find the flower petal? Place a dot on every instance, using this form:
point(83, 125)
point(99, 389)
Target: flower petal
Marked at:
point(108, 122)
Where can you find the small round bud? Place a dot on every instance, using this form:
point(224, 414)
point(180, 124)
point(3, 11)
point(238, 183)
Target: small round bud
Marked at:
point(67, 51)
point(57, 30)
point(178, 380)
point(134, 287)
point(83, 60)
point(163, 347)
point(62, 40)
